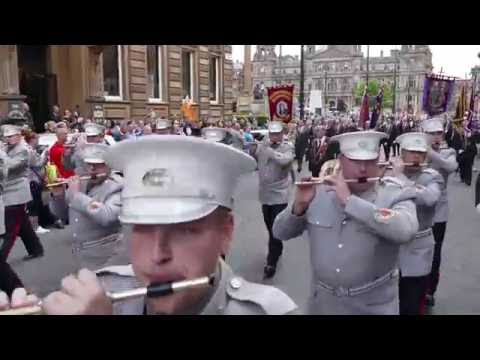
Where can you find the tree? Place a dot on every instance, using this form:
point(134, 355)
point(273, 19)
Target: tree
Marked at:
point(373, 87)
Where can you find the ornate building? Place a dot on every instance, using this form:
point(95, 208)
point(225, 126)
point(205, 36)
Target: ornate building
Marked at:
point(125, 81)
point(336, 69)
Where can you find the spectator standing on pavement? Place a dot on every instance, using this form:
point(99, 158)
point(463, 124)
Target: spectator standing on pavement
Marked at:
point(55, 116)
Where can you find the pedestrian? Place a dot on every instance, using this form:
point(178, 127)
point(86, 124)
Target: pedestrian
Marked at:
point(274, 158)
point(57, 204)
point(415, 260)
point(55, 115)
point(355, 230)
point(40, 215)
point(176, 233)
point(28, 116)
point(318, 148)
point(94, 207)
point(302, 142)
point(466, 158)
point(16, 196)
point(57, 152)
point(443, 159)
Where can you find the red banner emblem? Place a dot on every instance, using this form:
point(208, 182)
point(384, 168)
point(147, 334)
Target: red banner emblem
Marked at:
point(281, 102)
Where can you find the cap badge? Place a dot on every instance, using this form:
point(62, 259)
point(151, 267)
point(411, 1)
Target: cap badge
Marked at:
point(156, 177)
point(362, 144)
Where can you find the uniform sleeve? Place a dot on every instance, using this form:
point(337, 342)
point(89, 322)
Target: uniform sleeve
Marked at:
point(429, 195)
point(282, 159)
point(397, 225)
point(448, 164)
point(287, 225)
point(106, 215)
point(18, 163)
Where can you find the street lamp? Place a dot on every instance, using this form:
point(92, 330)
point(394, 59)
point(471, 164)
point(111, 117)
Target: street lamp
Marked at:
point(302, 83)
point(325, 91)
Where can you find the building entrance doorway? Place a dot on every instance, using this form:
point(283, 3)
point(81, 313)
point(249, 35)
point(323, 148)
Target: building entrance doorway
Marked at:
point(36, 83)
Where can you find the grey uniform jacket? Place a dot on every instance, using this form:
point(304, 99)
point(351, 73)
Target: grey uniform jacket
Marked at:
point(95, 231)
point(416, 256)
point(17, 186)
point(3, 176)
point(274, 165)
point(354, 249)
point(232, 295)
point(445, 162)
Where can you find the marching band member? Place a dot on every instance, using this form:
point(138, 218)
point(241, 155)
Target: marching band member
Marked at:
point(416, 257)
point(444, 161)
point(274, 158)
point(9, 280)
point(355, 231)
point(73, 157)
point(179, 219)
point(17, 195)
point(94, 207)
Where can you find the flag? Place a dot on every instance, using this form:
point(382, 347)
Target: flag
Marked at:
point(471, 108)
point(280, 100)
point(378, 109)
point(460, 111)
point(364, 110)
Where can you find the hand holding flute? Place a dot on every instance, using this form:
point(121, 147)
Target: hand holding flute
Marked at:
point(84, 295)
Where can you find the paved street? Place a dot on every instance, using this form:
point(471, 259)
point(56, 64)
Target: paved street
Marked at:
point(458, 292)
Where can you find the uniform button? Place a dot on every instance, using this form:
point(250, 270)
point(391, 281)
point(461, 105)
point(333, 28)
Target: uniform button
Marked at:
point(236, 283)
point(344, 222)
point(74, 235)
point(76, 220)
point(317, 222)
point(340, 246)
point(337, 270)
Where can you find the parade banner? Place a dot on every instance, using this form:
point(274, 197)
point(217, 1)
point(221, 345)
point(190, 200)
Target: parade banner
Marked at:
point(378, 109)
point(437, 91)
point(280, 100)
point(364, 116)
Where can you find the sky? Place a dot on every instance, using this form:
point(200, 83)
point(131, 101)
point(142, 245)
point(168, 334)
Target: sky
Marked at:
point(453, 60)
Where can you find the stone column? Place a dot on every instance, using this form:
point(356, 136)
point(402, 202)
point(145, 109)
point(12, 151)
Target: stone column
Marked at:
point(8, 70)
point(247, 71)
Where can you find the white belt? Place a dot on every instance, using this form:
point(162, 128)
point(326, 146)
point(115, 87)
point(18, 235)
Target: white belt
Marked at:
point(423, 233)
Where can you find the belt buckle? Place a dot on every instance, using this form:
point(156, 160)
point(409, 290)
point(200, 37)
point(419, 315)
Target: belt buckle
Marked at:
point(340, 291)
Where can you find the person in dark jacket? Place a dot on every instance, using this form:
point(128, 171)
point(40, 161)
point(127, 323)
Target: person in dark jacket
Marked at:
point(466, 159)
point(301, 143)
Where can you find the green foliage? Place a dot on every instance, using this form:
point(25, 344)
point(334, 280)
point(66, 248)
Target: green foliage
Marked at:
point(262, 119)
point(373, 87)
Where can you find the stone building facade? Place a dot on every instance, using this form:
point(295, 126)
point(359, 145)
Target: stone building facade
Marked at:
point(336, 69)
point(126, 81)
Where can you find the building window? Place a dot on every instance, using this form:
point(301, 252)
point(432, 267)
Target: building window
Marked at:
point(155, 73)
point(214, 75)
point(112, 72)
point(187, 74)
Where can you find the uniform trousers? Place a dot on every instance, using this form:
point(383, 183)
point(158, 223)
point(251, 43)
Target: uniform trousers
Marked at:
point(396, 149)
point(17, 223)
point(438, 230)
point(465, 167)
point(412, 291)
point(275, 246)
point(386, 148)
point(9, 280)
